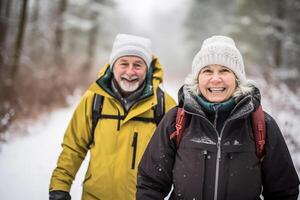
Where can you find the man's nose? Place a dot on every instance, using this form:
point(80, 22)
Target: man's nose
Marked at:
point(130, 70)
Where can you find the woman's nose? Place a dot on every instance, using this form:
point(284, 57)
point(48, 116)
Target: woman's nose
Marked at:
point(215, 78)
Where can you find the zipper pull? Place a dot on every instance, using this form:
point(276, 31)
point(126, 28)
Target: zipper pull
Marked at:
point(219, 149)
point(134, 141)
point(119, 121)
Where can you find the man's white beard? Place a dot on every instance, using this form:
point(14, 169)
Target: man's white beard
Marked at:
point(129, 87)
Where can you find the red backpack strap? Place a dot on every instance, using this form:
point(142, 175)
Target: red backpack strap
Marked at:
point(180, 125)
point(259, 131)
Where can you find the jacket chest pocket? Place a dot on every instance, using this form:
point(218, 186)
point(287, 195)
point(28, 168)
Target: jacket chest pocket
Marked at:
point(242, 165)
point(189, 172)
point(134, 146)
point(138, 141)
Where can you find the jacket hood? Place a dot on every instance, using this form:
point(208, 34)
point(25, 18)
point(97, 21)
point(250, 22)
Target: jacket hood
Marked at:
point(245, 103)
point(153, 78)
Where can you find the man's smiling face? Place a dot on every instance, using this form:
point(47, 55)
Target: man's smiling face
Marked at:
point(129, 72)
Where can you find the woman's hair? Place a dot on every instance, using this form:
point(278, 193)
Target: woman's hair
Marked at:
point(242, 89)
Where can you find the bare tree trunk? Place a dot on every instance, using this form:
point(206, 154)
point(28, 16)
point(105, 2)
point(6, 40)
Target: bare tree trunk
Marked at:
point(279, 29)
point(8, 8)
point(19, 40)
point(3, 28)
point(92, 43)
point(6, 89)
point(5, 6)
point(36, 49)
point(35, 16)
point(59, 33)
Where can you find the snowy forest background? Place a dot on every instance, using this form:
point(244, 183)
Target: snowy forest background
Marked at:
point(50, 51)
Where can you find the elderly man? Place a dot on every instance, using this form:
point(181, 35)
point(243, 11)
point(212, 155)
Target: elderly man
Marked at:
point(114, 120)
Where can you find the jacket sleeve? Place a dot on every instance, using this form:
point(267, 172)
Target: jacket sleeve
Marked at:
point(75, 146)
point(154, 178)
point(280, 179)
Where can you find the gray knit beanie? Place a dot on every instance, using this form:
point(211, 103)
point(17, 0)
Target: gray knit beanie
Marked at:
point(220, 50)
point(131, 45)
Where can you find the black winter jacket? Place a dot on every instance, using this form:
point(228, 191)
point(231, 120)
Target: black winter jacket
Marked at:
point(209, 165)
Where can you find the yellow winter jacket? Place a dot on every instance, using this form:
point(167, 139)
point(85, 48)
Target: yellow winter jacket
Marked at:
point(115, 152)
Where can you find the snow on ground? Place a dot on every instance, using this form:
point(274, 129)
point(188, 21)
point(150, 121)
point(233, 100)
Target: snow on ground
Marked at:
point(26, 162)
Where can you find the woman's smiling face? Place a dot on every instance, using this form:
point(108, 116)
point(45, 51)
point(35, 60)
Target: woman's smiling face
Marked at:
point(216, 83)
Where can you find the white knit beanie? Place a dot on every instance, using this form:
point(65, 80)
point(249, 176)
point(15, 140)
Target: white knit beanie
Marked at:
point(131, 45)
point(220, 50)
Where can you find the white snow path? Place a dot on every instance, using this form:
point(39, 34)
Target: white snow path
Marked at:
point(26, 162)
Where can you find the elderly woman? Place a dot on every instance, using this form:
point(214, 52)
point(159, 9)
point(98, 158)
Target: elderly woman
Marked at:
point(216, 157)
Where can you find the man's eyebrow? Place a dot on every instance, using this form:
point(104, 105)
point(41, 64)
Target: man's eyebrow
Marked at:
point(123, 60)
point(139, 61)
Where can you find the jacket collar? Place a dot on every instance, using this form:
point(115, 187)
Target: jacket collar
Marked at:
point(127, 102)
point(244, 105)
point(225, 106)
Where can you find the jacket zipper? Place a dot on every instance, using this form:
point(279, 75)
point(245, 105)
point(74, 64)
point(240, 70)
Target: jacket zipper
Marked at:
point(217, 168)
point(134, 148)
point(218, 159)
point(218, 146)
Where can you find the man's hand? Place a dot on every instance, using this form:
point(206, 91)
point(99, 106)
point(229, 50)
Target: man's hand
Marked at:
point(59, 195)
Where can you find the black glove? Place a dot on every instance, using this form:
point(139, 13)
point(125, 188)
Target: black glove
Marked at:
point(59, 195)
